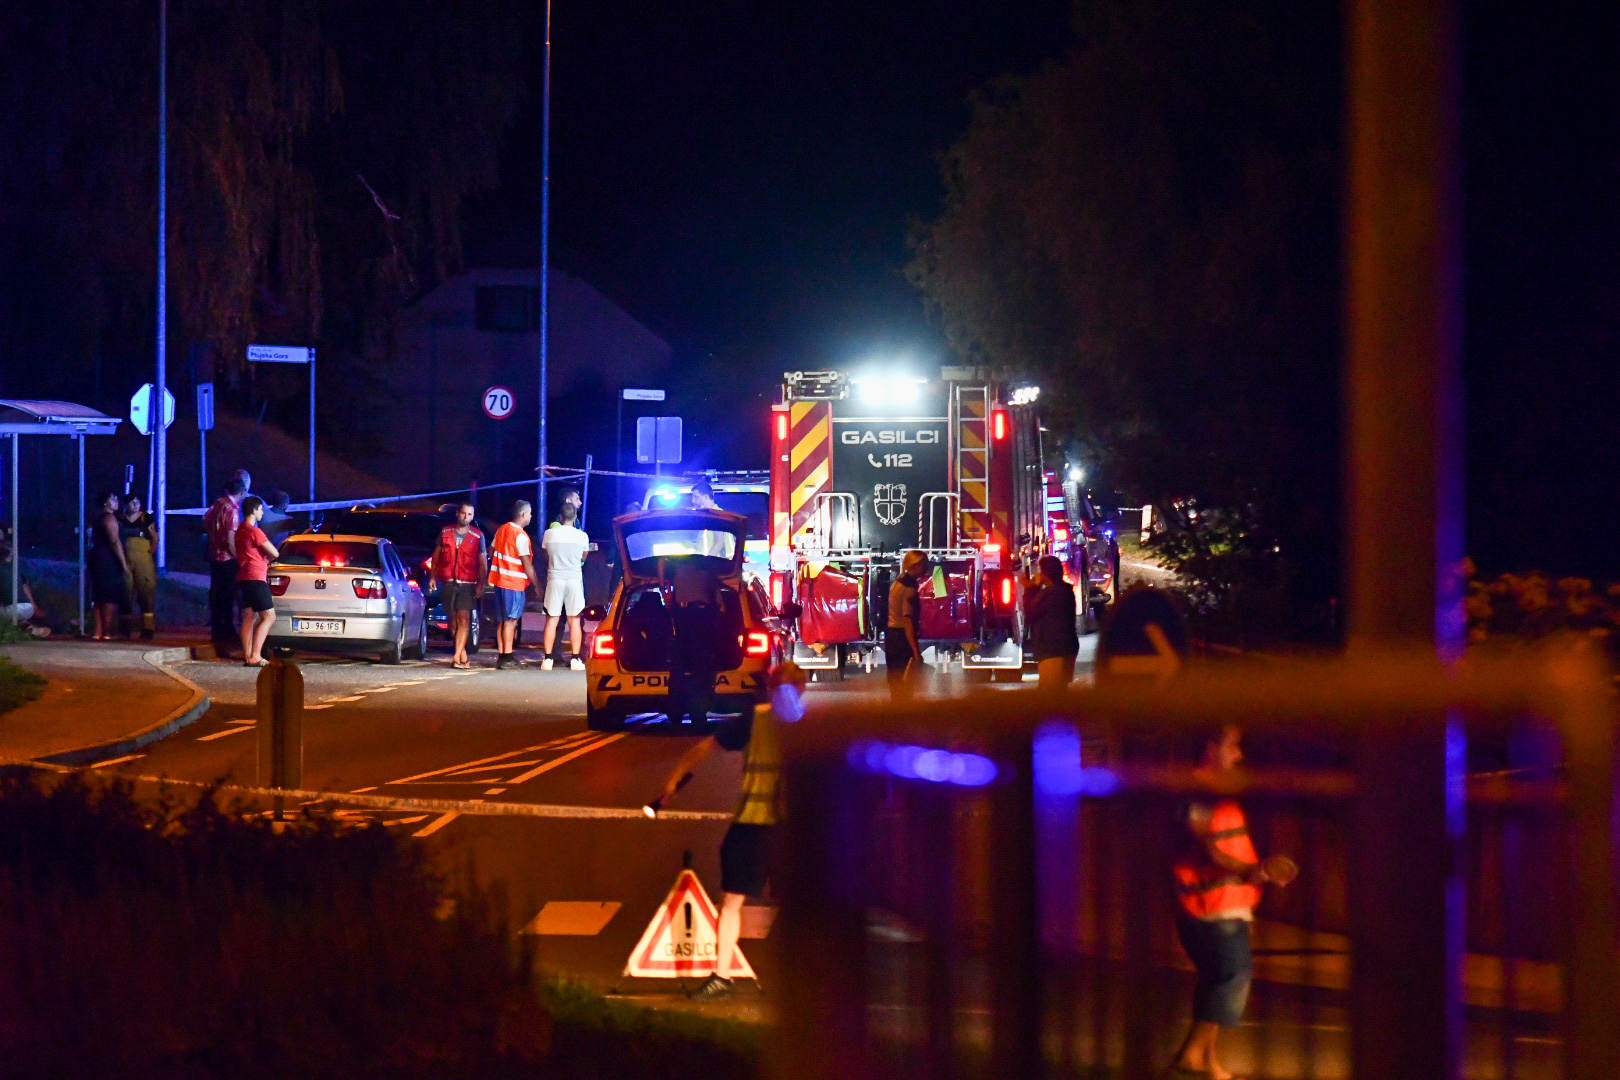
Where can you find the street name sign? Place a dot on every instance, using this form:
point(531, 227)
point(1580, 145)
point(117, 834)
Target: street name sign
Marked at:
point(279, 354)
point(631, 394)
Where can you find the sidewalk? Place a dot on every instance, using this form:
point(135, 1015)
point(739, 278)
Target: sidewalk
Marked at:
point(103, 700)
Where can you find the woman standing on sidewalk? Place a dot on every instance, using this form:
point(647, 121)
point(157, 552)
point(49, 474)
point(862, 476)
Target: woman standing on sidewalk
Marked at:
point(109, 569)
point(253, 553)
point(138, 530)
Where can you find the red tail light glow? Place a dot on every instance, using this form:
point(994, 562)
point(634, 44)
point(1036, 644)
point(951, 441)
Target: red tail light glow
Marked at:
point(1060, 534)
point(990, 547)
point(998, 424)
point(278, 584)
point(756, 643)
point(368, 588)
point(604, 645)
point(1006, 592)
point(781, 427)
point(777, 585)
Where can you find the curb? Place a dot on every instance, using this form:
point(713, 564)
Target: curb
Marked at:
point(188, 713)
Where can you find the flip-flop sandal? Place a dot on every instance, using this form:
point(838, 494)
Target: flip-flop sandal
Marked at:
point(255, 663)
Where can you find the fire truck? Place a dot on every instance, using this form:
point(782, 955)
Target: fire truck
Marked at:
point(865, 467)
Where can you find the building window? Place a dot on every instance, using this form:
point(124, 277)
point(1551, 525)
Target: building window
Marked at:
point(507, 308)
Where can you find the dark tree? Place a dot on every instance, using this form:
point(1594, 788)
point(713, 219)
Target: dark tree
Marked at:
point(1149, 227)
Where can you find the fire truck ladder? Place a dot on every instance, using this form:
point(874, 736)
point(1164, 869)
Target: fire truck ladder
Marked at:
point(970, 473)
point(836, 517)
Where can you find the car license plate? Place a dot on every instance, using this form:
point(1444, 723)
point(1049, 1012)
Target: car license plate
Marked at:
point(323, 627)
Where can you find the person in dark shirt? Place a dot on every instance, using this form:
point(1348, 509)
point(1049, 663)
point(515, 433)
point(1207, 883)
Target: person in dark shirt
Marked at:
point(1049, 610)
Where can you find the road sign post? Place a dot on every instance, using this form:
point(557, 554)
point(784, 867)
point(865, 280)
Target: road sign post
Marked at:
point(205, 424)
point(293, 354)
point(658, 441)
point(629, 393)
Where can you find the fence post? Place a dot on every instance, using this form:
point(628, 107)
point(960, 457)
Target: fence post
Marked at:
point(280, 691)
point(1016, 1005)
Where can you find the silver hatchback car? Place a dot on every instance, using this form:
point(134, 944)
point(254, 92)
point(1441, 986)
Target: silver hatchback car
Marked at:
point(346, 594)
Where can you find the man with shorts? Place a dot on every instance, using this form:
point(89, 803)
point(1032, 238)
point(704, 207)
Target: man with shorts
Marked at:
point(745, 853)
point(565, 547)
point(902, 655)
point(459, 565)
point(511, 574)
point(221, 523)
point(253, 554)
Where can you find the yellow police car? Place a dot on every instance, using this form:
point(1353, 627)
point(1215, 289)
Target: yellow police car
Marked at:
point(686, 636)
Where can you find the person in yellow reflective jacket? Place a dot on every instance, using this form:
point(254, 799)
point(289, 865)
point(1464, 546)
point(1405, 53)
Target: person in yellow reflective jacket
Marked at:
point(1218, 884)
point(745, 853)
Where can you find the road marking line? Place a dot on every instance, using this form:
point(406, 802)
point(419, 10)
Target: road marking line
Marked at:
point(468, 765)
point(494, 791)
point(495, 768)
point(573, 918)
point(436, 678)
point(411, 682)
point(227, 731)
point(116, 761)
point(412, 820)
point(587, 748)
point(439, 823)
point(352, 697)
point(379, 689)
point(437, 806)
point(246, 721)
point(363, 790)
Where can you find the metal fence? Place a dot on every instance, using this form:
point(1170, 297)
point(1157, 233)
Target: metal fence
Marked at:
point(981, 887)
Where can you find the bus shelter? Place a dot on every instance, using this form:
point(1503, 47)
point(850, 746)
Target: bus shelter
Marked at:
point(24, 417)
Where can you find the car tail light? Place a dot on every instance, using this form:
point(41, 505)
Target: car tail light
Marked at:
point(781, 427)
point(998, 424)
point(604, 645)
point(756, 643)
point(278, 584)
point(368, 588)
point(1060, 534)
point(1006, 592)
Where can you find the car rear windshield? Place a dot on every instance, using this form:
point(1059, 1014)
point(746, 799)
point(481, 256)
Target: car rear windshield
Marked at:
point(666, 543)
point(412, 531)
point(339, 553)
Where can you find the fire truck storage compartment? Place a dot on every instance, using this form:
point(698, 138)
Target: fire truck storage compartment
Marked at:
point(831, 598)
point(946, 599)
point(655, 635)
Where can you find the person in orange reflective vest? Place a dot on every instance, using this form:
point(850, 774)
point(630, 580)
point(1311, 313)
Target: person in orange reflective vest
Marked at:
point(512, 576)
point(1218, 884)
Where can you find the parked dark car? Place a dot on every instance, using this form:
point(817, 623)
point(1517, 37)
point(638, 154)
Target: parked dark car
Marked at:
point(415, 534)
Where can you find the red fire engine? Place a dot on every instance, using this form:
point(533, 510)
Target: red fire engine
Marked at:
point(866, 467)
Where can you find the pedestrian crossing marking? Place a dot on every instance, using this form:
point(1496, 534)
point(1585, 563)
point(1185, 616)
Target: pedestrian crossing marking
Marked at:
point(572, 918)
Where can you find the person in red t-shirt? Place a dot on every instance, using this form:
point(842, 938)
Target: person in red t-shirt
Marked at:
point(460, 565)
point(253, 554)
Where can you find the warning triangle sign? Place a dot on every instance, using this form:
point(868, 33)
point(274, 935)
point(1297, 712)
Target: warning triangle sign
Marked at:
point(683, 938)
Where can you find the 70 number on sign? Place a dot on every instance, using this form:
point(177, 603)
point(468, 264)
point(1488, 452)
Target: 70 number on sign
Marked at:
point(498, 403)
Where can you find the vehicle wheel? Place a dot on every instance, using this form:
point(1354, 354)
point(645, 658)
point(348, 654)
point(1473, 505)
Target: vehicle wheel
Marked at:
point(475, 631)
point(606, 719)
point(396, 652)
point(418, 649)
point(837, 672)
point(1006, 674)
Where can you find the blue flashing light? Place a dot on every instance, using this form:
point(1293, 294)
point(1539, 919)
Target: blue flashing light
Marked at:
point(667, 494)
point(1108, 533)
point(922, 763)
point(1058, 768)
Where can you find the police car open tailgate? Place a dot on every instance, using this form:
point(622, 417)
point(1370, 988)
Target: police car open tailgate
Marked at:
point(659, 534)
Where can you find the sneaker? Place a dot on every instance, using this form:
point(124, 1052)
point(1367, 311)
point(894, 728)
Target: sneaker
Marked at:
point(576, 664)
point(711, 988)
point(545, 665)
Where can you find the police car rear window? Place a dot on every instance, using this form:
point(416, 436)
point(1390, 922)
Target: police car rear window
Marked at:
point(669, 543)
point(335, 553)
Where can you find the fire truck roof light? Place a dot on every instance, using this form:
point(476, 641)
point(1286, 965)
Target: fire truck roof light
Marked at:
point(1077, 474)
point(1025, 395)
point(889, 389)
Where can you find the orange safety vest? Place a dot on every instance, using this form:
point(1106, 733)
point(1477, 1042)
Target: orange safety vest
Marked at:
point(506, 558)
point(1208, 891)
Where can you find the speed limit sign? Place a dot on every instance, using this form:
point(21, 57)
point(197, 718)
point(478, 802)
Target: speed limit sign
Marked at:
point(498, 403)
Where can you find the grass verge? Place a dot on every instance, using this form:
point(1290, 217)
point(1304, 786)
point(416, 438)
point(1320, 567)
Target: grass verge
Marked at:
point(18, 685)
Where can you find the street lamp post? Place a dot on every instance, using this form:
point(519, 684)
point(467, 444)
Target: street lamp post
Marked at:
point(545, 253)
point(160, 431)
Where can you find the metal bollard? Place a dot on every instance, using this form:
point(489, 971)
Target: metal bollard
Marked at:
point(281, 725)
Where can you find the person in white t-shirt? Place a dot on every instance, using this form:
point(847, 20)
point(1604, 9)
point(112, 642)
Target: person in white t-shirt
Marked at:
point(565, 546)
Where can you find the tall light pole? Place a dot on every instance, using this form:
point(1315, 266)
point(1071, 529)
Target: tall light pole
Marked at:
point(545, 253)
point(160, 431)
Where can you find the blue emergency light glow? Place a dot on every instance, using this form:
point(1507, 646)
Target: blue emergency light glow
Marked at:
point(922, 763)
point(1058, 766)
point(668, 494)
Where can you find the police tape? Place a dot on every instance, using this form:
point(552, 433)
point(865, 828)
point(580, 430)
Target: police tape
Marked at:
point(344, 504)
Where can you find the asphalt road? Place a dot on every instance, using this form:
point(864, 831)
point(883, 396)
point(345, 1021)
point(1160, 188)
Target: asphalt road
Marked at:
point(498, 772)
